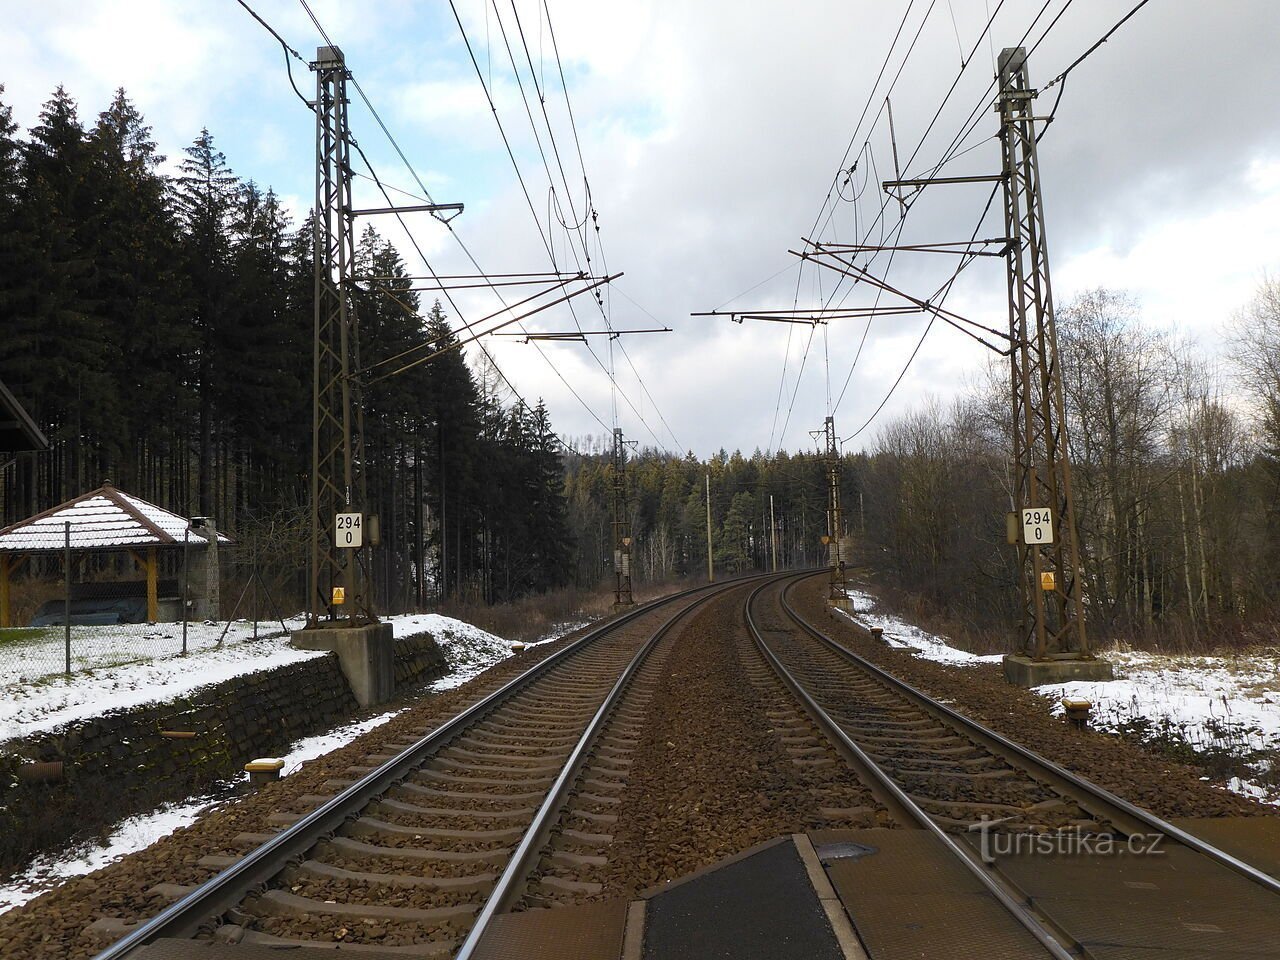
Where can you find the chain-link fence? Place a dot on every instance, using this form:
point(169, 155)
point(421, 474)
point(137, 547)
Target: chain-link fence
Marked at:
point(68, 606)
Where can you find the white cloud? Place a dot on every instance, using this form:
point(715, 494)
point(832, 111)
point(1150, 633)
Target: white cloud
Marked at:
point(711, 132)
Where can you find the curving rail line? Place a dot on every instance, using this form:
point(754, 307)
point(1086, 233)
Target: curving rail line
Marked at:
point(938, 770)
point(478, 794)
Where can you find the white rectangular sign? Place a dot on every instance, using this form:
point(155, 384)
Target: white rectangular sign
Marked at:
point(1037, 526)
point(350, 530)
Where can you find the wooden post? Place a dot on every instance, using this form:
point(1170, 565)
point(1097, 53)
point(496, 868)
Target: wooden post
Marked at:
point(5, 614)
point(153, 602)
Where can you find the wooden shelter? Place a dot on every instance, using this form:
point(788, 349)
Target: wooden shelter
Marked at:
point(101, 520)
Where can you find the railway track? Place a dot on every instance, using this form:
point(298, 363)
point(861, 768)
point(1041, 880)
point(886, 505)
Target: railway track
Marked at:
point(935, 769)
point(416, 852)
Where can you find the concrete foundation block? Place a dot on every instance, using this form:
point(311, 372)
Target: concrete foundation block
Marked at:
point(1022, 671)
point(365, 653)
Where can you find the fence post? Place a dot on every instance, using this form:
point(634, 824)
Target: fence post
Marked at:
point(253, 581)
point(186, 580)
point(66, 597)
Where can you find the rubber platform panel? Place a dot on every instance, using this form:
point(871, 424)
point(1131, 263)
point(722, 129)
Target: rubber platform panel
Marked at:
point(1175, 899)
point(590, 932)
point(173, 949)
point(910, 898)
point(761, 907)
point(1255, 840)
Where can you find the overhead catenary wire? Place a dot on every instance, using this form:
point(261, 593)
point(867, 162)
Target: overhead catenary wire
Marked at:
point(588, 202)
point(457, 238)
point(532, 209)
point(290, 52)
point(949, 154)
point(943, 291)
point(1059, 79)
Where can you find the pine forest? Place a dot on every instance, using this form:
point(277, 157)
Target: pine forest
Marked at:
point(159, 329)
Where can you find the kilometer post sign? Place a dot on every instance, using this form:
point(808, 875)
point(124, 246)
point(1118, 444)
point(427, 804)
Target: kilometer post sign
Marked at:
point(1037, 526)
point(349, 530)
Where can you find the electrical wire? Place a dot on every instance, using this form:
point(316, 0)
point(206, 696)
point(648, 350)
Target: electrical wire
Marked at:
point(400, 152)
point(515, 164)
point(289, 51)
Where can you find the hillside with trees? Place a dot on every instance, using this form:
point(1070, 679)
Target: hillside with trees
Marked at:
point(159, 328)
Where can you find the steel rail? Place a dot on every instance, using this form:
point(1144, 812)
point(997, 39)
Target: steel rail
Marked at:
point(1041, 764)
point(1049, 939)
point(508, 888)
point(222, 892)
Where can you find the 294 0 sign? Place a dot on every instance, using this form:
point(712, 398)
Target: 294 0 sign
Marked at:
point(1037, 526)
point(349, 530)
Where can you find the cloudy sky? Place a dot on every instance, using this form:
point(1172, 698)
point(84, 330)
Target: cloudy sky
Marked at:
point(711, 133)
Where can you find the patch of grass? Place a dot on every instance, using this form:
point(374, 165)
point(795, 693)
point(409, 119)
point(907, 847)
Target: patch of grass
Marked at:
point(1223, 749)
point(20, 636)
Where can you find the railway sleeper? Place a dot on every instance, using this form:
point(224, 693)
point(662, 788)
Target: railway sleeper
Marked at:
point(441, 777)
point(416, 791)
point(577, 813)
point(573, 860)
point(905, 771)
point(480, 883)
point(462, 754)
point(350, 847)
point(399, 806)
point(236, 933)
point(282, 903)
point(585, 839)
point(371, 827)
point(557, 886)
point(519, 732)
point(487, 743)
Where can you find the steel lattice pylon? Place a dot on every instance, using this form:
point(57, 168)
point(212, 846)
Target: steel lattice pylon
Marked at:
point(835, 524)
point(1053, 620)
point(337, 481)
point(621, 523)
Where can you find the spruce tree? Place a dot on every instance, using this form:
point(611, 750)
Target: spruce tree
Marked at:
point(206, 192)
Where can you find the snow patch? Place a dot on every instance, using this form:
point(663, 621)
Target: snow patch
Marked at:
point(128, 836)
point(905, 636)
point(469, 651)
point(139, 832)
point(29, 705)
point(310, 748)
point(1224, 704)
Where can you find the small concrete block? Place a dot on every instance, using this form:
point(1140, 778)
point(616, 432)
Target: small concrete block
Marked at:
point(1022, 671)
point(263, 770)
point(264, 765)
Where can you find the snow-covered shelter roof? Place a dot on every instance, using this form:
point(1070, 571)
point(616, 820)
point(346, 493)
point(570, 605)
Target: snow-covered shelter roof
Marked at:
point(102, 519)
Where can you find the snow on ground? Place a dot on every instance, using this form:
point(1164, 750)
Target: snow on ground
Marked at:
point(906, 636)
point(1225, 704)
point(33, 704)
point(98, 647)
point(469, 650)
point(138, 832)
point(135, 833)
point(27, 708)
point(1221, 704)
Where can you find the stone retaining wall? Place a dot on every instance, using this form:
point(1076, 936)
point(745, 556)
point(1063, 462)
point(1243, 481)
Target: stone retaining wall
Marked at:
point(123, 762)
